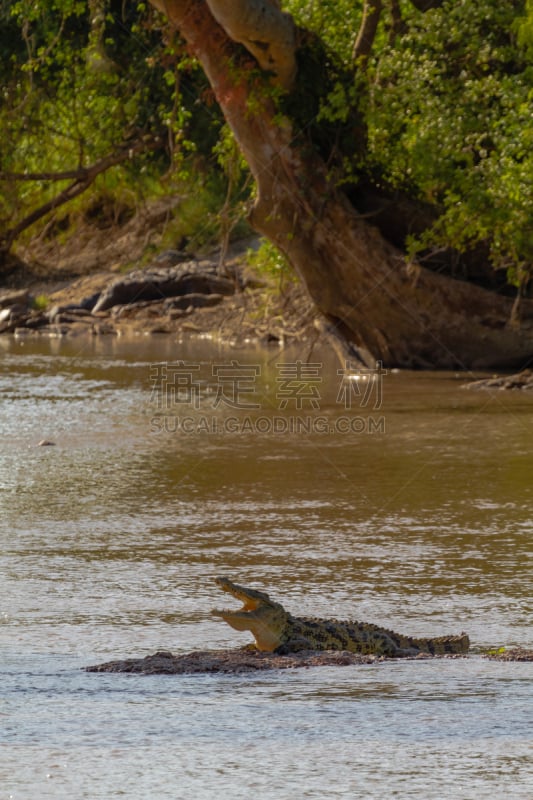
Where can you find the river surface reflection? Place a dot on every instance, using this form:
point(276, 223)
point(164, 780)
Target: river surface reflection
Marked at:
point(408, 504)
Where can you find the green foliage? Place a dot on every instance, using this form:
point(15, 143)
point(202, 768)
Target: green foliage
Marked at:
point(324, 108)
point(81, 80)
point(524, 27)
point(268, 261)
point(196, 223)
point(335, 22)
point(41, 302)
point(442, 110)
point(450, 120)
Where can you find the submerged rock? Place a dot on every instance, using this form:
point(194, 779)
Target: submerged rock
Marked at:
point(227, 661)
point(245, 660)
point(513, 654)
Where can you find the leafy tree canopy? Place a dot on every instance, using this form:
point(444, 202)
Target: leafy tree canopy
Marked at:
point(100, 84)
point(439, 107)
point(447, 100)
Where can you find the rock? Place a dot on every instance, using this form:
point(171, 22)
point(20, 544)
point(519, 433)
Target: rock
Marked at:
point(53, 312)
point(169, 258)
point(56, 331)
point(17, 310)
point(104, 329)
point(19, 297)
point(127, 311)
point(160, 329)
point(37, 319)
point(89, 303)
point(194, 301)
point(513, 654)
point(71, 316)
point(190, 326)
point(70, 312)
point(71, 319)
point(14, 316)
point(186, 278)
point(248, 279)
point(228, 661)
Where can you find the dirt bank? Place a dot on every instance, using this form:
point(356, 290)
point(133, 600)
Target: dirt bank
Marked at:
point(53, 284)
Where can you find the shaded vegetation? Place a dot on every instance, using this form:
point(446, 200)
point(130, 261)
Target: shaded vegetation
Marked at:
point(100, 100)
point(430, 131)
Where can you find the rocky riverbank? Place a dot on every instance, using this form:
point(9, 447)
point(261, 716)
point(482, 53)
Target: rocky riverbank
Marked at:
point(71, 294)
point(172, 295)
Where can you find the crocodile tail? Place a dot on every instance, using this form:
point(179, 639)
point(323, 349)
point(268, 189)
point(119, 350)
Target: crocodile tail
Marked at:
point(443, 644)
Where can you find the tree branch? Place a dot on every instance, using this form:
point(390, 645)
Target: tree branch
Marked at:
point(67, 175)
point(267, 33)
point(367, 32)
point(260, 26)
point(425, 5)
point(398, 26)
point(82, 179)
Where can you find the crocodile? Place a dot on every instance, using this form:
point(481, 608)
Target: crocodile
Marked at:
point(276, 630)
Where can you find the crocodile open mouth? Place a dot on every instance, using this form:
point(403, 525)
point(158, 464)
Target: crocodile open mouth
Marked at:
point(261, 616)
point(244, 596)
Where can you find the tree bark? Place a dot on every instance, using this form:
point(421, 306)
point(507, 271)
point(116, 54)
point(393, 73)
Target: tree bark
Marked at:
point(367, 32)
point(266, 32)
point(390, 311)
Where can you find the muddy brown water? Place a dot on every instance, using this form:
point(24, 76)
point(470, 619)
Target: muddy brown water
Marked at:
point(396, 498)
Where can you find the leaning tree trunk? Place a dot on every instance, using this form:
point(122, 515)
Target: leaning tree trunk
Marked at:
point(391, 312)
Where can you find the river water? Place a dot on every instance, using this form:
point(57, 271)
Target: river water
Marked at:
point(396, 498)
